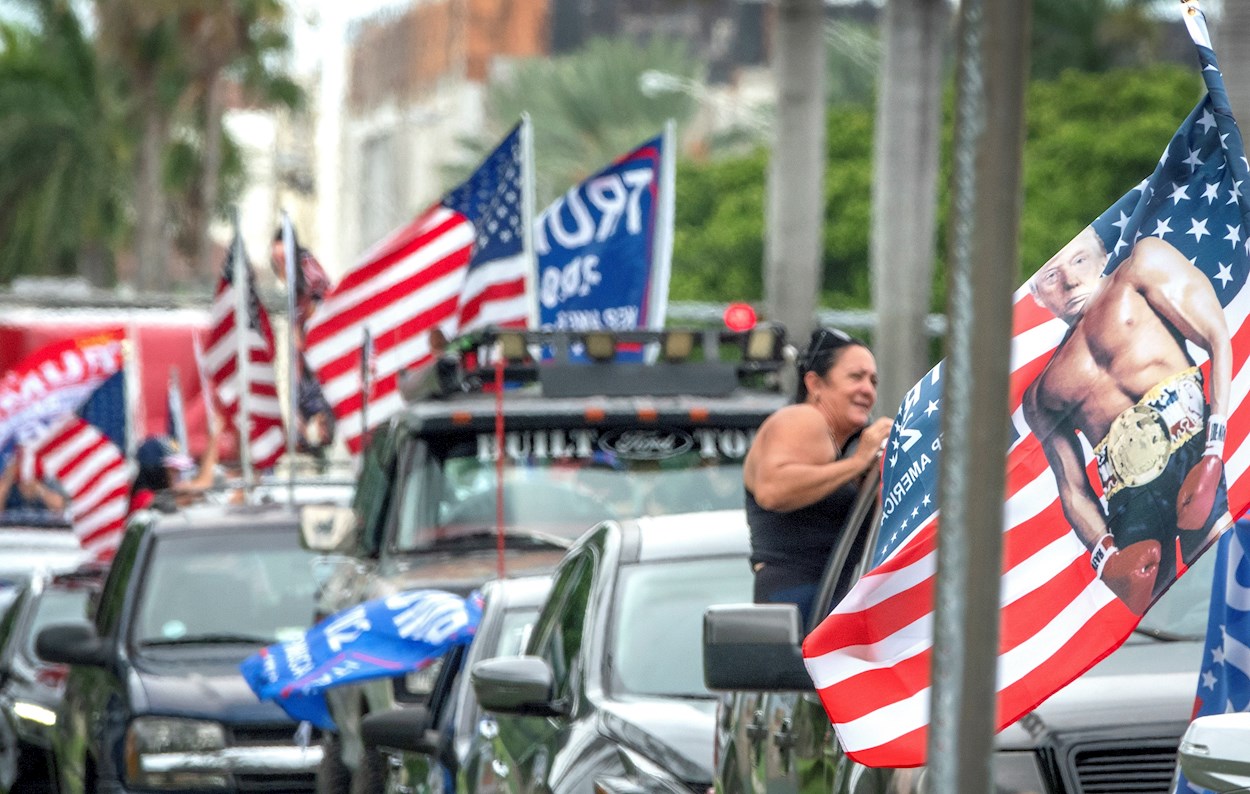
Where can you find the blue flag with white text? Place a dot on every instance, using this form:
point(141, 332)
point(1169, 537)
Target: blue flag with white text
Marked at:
point(382, 638)
point(1224, 679)
point(597, 268)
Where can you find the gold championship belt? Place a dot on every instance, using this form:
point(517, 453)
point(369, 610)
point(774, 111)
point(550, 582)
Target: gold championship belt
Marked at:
point(1143, 437)
point(1138, 446)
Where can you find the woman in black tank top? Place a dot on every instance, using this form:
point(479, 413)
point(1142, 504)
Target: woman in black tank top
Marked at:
point(799, 485)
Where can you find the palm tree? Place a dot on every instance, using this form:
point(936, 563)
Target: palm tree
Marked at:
point(138, 38)
point(588, 108)
point(224, 41)
point(63, 151)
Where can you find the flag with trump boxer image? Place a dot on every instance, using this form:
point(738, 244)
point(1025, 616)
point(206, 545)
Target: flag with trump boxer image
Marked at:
point(1127, 456)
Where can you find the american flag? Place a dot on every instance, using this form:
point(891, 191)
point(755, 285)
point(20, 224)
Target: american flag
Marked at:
point(1224, 681)
point(461, 265)
point(870, 658)
point(266, 437)
point(96, 478)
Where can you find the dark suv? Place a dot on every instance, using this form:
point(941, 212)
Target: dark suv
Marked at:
point(30, 688)
point(610, 697)
point(581, 442)
point(1114, 729)
point(154, 700)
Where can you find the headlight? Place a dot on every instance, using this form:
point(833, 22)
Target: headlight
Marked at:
point(642, 776)
point(1016, 772)
point(34, 712)
point(147, 738)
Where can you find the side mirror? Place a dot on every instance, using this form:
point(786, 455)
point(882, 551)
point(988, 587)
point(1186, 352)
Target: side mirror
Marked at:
point(754, 647)
point(515, 685)
point(71, 643)
point(1215, 752)
point(327, 528)
point(407, 728)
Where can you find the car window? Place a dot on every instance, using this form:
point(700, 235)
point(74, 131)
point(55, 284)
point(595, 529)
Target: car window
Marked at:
point(559, 639)
point(113, 597)
point(1182, 611)
point(56, 606)
point(658, 609)
point(12, 608)
point(258, 587)
point(561, 481)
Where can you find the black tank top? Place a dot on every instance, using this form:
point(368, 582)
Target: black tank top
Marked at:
point(799, 539)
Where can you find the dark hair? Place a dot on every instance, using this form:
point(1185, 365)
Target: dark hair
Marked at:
point(823, 352)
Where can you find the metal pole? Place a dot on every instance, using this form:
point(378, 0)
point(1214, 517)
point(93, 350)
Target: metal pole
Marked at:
point(989, 139)
point(795, 212)
point(906, 140)
point(366, 384)
point(292, 349)
point(242, 365)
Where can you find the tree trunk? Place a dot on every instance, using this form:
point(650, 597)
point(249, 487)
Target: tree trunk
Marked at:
point(904, 193)
point(1232, 46)
point(796, 175)
point(210, 180)
point(151, 247)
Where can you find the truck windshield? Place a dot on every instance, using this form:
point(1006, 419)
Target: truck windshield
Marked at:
point(560, 483)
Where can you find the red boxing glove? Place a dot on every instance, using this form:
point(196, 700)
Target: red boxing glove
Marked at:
point(1197, 493)
point(1130, 573)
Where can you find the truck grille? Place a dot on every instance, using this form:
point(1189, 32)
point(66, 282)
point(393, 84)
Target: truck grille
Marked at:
point(1143, 767)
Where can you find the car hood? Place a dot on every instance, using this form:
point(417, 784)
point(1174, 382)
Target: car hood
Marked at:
point(674, 734)
point(1146, 684)
point(458, 572)
point(211, 689)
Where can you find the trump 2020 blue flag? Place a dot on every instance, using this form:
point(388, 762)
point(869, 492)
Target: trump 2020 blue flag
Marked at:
point(1224, 680)
point(382, 638)
point(1128, 382)
point(604, 248)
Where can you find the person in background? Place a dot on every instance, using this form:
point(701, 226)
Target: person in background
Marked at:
point(27, 497)
point(316, 418)
point(161, 467)
point(803, 471)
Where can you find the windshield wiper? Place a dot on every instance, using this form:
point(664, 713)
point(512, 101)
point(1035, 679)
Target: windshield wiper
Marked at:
point(1163, 635)
point(487, 538)
point(207, 639)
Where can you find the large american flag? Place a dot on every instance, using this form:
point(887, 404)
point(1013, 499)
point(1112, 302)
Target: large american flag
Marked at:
point(266, 437)
point(870, 659)
point(461, 265)
point(96, 478)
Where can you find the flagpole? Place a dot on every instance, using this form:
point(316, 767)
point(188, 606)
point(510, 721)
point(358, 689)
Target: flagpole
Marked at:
point(527, 220)
point(366, 383)
point(292, 351)
point(178, 415)
point(243, 356)
point(133, 394)
point(662, 243)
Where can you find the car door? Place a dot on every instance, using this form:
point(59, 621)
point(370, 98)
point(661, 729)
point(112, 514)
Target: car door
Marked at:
point(793, 734)
point(95, 706)
point(527, 749)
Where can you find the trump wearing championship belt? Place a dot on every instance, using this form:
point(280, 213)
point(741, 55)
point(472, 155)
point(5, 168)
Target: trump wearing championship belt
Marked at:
point(1123, 378)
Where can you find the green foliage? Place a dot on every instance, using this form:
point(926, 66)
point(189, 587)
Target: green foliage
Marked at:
point(1094, 35)
point(718, 234)
point(587, 108)
point(1090, 139)
point(62, 150)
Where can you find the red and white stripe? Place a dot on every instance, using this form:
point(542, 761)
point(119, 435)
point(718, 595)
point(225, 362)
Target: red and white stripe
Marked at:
point(870, 659)
point(96, 478)
point(415, 280)
point(266, 436)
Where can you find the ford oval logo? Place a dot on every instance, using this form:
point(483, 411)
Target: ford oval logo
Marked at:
point(646, 444)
